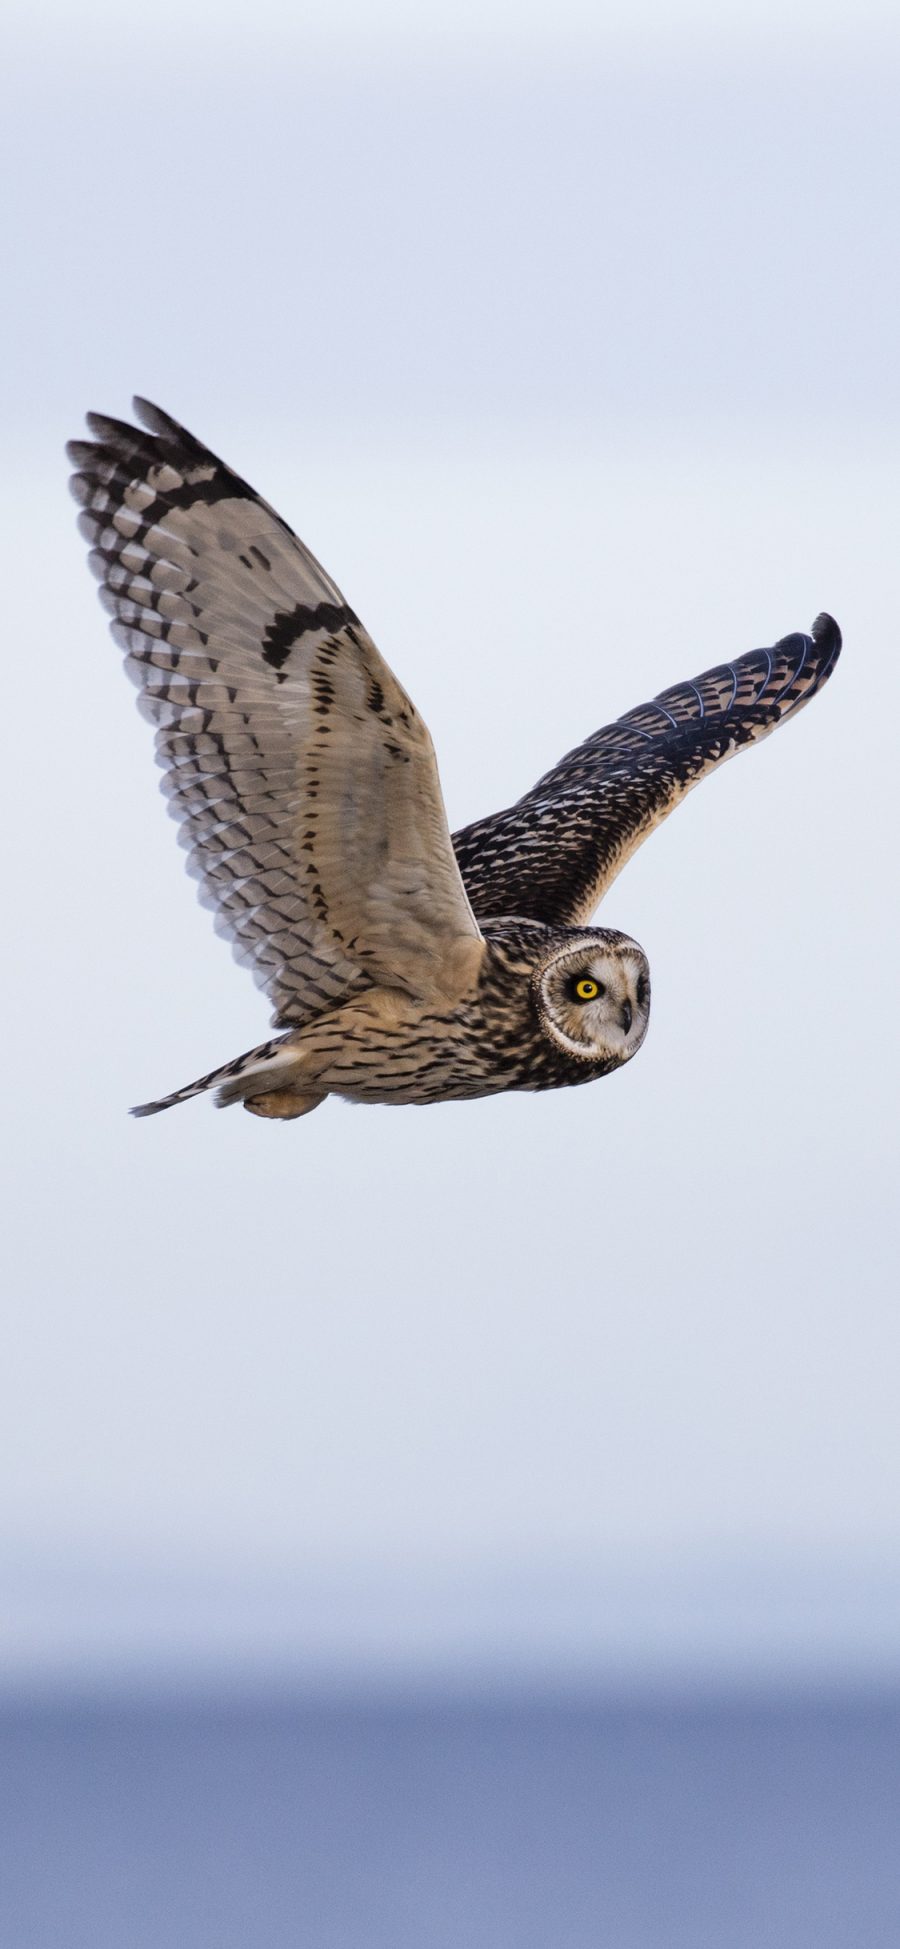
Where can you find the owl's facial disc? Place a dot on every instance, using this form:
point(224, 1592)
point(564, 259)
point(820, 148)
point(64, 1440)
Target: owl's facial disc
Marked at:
point(594, 997)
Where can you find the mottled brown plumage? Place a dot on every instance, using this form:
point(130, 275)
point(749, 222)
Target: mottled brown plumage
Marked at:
point(403, 967)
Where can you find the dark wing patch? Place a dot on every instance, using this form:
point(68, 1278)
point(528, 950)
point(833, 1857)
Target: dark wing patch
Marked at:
point(553, 855)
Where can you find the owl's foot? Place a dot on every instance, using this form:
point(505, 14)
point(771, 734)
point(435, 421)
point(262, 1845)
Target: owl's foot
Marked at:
point(282, 1103)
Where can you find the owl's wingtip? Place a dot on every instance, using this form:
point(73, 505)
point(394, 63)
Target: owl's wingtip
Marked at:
point(154, 418)
point(826, 633)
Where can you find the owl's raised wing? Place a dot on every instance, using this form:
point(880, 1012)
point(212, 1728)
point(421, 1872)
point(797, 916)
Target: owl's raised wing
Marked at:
point(302, 775)
point(553, 855)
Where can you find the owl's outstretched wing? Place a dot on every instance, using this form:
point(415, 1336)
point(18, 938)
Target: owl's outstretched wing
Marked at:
point(304, 780)
point(553, 855)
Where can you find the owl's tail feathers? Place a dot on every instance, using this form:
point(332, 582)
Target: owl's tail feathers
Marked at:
point(273, 1066)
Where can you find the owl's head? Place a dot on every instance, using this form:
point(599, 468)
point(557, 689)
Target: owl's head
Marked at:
point(593, 996)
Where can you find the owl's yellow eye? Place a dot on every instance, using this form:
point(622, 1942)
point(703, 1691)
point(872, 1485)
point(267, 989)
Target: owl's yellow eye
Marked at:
point(587, 990)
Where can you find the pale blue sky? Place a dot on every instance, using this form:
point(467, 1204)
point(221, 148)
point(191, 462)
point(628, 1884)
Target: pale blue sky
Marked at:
point(574, 357)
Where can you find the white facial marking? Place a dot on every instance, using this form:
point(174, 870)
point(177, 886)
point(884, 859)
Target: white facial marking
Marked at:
point(608, 1026)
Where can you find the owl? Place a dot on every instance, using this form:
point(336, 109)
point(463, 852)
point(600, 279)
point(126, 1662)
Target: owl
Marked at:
point(404, 965)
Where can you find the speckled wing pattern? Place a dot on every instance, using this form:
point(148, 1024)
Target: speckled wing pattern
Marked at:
point(553, 855)
point(303, 778)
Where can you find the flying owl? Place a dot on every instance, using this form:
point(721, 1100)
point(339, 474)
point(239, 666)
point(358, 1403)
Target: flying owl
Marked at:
point(405, 966)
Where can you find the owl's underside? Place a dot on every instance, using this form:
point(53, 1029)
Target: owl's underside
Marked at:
point(403, 966)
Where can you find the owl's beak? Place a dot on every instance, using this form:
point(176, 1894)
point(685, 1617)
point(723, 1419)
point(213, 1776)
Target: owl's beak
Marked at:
point(626, 1016)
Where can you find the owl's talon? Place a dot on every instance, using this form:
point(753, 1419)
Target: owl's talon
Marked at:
point(282, 1103)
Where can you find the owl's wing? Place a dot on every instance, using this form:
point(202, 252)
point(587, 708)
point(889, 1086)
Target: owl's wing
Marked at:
point(554, 854)
point(304, 780)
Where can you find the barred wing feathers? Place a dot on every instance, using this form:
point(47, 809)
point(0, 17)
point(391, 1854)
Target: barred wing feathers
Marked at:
point(303, 778)
point(553, 855)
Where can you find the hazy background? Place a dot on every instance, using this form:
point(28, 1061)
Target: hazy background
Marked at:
point(568, 340)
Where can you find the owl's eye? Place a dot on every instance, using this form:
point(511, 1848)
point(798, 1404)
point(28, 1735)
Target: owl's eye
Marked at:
point(641, 991)
point(588, 990)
